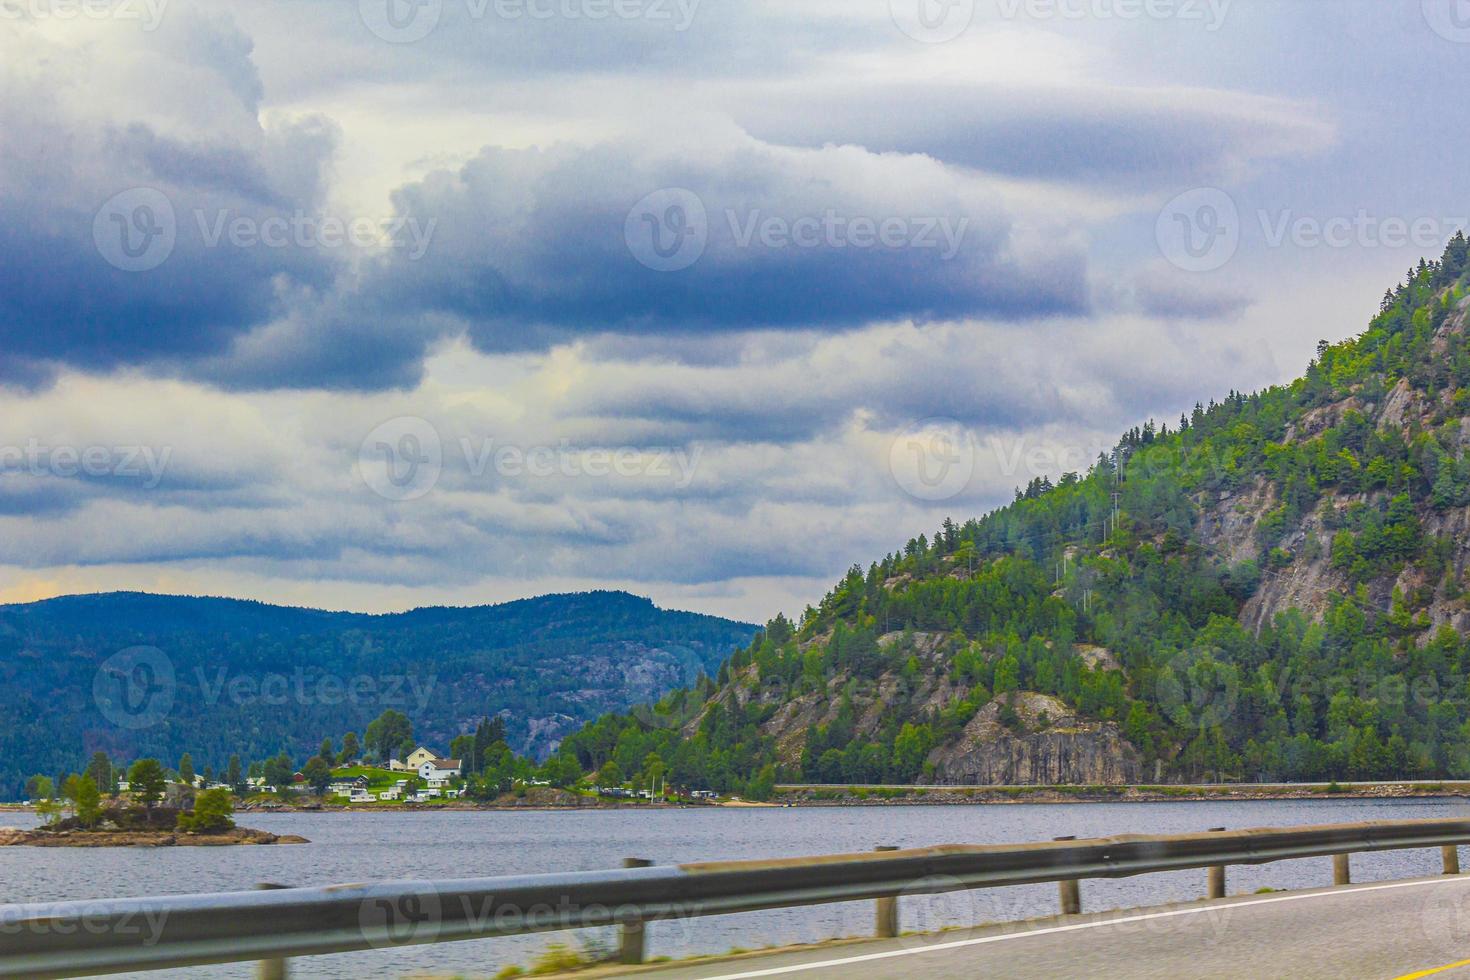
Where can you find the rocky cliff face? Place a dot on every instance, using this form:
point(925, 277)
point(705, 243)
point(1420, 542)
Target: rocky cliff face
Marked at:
point(1229, 520)
point(1045, 743)
point(1038, 741)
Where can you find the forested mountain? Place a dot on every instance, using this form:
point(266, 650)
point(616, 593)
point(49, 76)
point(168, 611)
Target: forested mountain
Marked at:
point(1271, 588)
point(136, 675)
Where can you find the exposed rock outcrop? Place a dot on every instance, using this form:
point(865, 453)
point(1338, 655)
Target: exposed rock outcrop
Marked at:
point(12, 837)
point(1046, 744)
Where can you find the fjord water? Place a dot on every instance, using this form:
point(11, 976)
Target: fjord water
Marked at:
point(347, 847)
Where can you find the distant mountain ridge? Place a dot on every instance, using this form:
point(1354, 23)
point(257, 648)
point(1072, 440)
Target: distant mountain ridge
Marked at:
point(247, 677)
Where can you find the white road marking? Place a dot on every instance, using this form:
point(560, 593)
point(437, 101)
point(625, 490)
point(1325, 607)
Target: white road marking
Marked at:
point(1077, 927)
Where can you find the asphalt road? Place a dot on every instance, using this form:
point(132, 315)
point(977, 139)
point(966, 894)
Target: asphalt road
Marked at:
point(1400, 929)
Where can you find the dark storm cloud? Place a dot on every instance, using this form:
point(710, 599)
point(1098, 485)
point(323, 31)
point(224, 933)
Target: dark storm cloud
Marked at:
point(116, 246)
point(534, 245)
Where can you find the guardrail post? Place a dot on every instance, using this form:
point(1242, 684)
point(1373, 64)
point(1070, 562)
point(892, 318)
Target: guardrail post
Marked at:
point(1451, 855)
point(1342, 873)
point(631, 935)
point(885, 924)
point(272, 969)
point(1069, 892)
point(1216, 876)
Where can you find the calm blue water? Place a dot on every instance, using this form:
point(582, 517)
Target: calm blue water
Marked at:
point(368, 846)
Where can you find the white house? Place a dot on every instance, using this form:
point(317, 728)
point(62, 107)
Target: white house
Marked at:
point(415, 760)
point(360, 796)
point(344, 787)
point(439, 770)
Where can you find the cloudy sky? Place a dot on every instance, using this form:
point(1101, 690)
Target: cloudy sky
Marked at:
point(386, 303)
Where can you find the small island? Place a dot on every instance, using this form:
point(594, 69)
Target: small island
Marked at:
point(80, 818)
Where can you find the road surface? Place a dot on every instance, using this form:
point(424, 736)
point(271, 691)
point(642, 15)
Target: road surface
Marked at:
point(1399, 929)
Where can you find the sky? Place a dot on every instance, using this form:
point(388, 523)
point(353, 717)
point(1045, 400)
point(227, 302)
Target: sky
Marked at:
point(372, 304)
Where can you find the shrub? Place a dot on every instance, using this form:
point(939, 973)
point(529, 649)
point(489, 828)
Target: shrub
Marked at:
point(211, 813)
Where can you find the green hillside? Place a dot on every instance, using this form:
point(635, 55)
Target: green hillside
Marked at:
point(137, 675)
point(1269, 588)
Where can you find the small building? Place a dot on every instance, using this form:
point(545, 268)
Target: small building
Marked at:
point(439, 770)
point(415, 760)
point(360, 795)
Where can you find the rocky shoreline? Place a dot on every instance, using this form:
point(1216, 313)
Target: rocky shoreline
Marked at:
point(12, 837)
point(791, 796)
point(1000, 795)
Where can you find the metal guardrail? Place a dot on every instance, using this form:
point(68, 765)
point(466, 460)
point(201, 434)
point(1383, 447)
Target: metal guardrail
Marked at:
point(115, 935)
